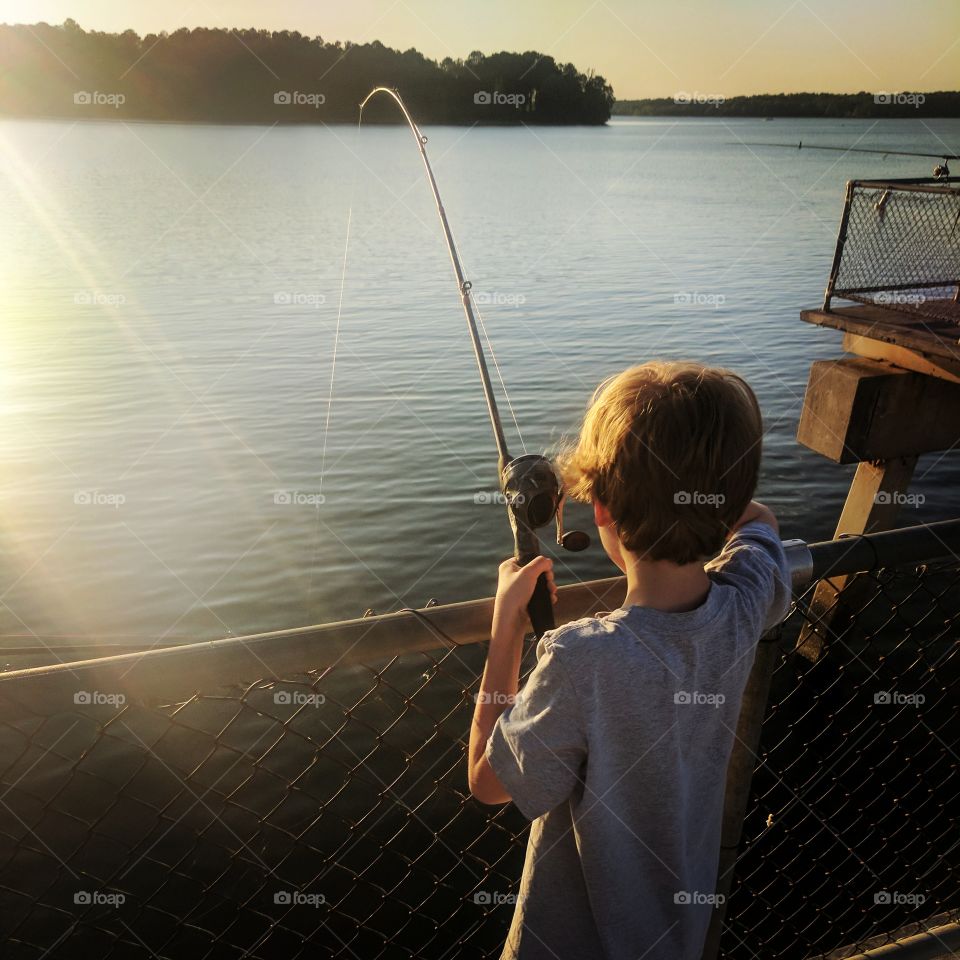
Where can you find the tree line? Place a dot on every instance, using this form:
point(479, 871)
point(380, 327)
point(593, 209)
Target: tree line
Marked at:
point(261, 76)
point(874, 105)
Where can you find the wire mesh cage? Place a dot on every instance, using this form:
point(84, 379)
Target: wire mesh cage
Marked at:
point(326, 814)
point(899, 248)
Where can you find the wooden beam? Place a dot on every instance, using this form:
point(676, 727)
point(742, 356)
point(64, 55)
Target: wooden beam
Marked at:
point(902, 357)
point(935, 338)
point(858, 409)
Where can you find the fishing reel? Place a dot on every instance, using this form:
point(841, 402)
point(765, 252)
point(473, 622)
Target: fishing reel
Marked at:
point(534, 497)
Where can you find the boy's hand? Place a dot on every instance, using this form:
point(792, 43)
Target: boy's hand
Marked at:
point(755, 511)
point(515, 587)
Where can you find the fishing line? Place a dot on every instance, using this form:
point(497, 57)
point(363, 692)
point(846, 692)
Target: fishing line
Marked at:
point(336, 333)
point(503, 386)
point(333, 367)
point(496, 366)
point(336, 347)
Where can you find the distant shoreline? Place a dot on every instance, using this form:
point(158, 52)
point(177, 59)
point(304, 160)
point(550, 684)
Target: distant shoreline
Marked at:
point(941, 104)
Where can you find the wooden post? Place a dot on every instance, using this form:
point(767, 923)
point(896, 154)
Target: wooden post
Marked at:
point(876, 495)
point(881, 416)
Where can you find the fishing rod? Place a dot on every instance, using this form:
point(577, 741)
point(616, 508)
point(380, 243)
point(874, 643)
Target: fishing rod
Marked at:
point(529, 483)
point(939, 171)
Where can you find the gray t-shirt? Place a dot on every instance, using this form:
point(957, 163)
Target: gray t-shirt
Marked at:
point(617, 749)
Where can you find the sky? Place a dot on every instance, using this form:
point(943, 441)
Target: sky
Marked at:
point(645, 48)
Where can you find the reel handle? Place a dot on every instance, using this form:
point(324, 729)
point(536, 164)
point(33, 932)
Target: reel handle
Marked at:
point(540, 607)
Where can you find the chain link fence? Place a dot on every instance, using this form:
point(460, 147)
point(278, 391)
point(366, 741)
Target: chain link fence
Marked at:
point(899, 248)
point(851, 831)
point(326, 814)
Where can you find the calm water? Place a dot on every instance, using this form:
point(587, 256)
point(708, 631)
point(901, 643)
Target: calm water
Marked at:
point(170, 304)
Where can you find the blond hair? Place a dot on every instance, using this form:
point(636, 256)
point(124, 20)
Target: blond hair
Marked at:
point(672, 450)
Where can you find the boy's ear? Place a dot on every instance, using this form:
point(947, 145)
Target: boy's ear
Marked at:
point(601, 515)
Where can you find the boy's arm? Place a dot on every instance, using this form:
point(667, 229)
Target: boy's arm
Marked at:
point(754, 562)
point(501, 675)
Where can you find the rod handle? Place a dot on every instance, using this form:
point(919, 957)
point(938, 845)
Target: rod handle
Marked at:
point(540, 608)
point(527, 548)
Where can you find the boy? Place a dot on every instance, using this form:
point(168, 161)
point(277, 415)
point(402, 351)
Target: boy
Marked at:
point(617, 748)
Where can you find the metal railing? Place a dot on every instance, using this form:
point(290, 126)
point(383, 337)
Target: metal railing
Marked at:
point(303, 793)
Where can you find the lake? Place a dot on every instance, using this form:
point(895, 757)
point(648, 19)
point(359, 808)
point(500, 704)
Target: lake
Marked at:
point(175, 465)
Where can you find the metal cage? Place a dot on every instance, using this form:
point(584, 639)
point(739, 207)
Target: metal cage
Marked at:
point(898, 248)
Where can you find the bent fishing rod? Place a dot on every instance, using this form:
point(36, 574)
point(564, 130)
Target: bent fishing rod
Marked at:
point(529, 483)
